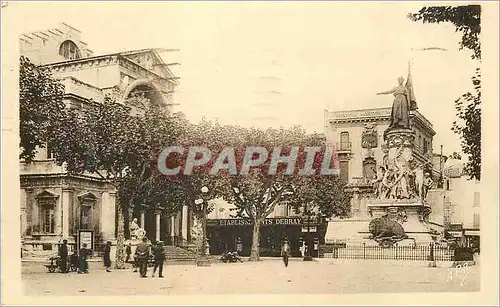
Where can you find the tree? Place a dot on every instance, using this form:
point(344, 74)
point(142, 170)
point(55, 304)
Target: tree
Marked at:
point(41, 108)
point(107, 140)
point(468, 108)
point(255, 194)
point(466, 19)
point(205, 134)
point(143, 184)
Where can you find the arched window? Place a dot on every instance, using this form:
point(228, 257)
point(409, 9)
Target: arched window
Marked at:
point(69, 50)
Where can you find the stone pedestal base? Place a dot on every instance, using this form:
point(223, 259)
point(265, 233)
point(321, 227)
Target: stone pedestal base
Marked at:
point(408, 213)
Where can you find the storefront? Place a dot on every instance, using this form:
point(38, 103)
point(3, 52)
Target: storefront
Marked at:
point(236, 235)
point(472, 238)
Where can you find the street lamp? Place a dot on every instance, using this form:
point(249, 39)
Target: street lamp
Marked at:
point(203, 204)
point(307, 256)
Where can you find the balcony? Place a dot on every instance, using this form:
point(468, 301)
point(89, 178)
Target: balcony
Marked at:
point(343, 147)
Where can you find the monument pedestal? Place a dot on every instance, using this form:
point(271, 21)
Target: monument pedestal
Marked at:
point(410, 214)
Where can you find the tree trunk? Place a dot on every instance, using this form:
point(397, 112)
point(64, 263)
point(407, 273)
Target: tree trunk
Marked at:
point(255, 252)
point(120, 238)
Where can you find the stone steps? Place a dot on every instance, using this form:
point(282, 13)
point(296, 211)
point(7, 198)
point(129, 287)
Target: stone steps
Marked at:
point(177, 253)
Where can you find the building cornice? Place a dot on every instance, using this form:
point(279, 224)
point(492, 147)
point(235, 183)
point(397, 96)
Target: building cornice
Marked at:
point(108, 60)
point(377, 115)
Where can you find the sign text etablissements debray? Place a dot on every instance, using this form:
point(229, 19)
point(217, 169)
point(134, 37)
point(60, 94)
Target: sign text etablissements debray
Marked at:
point(248, 222)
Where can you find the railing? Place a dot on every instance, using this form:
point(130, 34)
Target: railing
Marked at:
point(343, 146)
point(422, 253)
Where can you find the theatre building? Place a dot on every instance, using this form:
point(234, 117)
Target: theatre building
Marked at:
point(226, 233)
point(54, 204)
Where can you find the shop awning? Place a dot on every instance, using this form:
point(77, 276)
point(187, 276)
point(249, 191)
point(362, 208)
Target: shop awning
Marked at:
point(344, 231)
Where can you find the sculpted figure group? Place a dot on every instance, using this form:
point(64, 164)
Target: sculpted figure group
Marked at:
point(399, 180)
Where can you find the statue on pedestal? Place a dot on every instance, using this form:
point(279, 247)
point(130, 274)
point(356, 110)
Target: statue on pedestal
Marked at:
point(400, 110)
point(136, 232)
point(404, 102)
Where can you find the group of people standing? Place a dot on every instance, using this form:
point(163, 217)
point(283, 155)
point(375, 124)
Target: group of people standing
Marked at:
point(77, 260)
point(143, 253)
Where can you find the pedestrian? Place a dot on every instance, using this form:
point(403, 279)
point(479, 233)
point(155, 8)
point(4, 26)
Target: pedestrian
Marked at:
point(303, 249)
point(285, 253)
point(107, 256)
point(63, 255)
point(159, 258)
point(142, 255)
point(128, 252)
point(83, 265)
point(73, 260)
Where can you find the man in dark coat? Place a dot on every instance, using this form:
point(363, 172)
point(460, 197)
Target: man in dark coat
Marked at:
point(107, 256)
point(159, 258)
point(142, 256)
point(63, 254)
point(83, 265)
point(285, 253)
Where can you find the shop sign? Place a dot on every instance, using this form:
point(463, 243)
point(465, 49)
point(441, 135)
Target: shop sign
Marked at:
point(311, 229)
point(455, 234)
point(472, 233)
point(248, 222)
point(456, 227)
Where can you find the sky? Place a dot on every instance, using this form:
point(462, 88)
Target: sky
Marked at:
point(280, 64)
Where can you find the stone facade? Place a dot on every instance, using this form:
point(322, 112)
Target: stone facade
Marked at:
point(54, 204)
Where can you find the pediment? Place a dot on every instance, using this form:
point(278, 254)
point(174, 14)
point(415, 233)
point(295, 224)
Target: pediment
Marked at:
point(46, 194)
point(87, 196)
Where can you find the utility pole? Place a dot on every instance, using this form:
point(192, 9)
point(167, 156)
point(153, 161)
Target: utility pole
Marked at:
point(440, 182)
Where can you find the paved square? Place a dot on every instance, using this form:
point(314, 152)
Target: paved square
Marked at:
point(269, 276)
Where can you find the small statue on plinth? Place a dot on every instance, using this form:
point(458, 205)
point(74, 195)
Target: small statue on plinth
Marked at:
point(136, 232)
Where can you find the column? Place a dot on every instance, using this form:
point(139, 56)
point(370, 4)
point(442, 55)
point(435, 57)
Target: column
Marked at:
point(108, 215)
point(172, 229)
point(33, 213)
point(185, 223)
point(65, 202)
point(58, 214)
point(158, 218)
point(24, 213)
point(130, 219)
point(143, 219)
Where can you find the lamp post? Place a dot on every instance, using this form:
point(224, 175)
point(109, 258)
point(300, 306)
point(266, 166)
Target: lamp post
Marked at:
point(307, 256)
point(202, 259)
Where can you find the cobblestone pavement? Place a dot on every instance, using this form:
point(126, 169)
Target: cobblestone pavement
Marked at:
point(269, 276)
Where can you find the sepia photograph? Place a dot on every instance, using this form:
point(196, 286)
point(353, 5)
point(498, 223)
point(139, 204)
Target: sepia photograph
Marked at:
point(281, 149)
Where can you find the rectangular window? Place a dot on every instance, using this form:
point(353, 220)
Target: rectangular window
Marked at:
point(344, 171)
point(344, 141)
point(476, 220)
point(47, 219)
point(476, 199)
